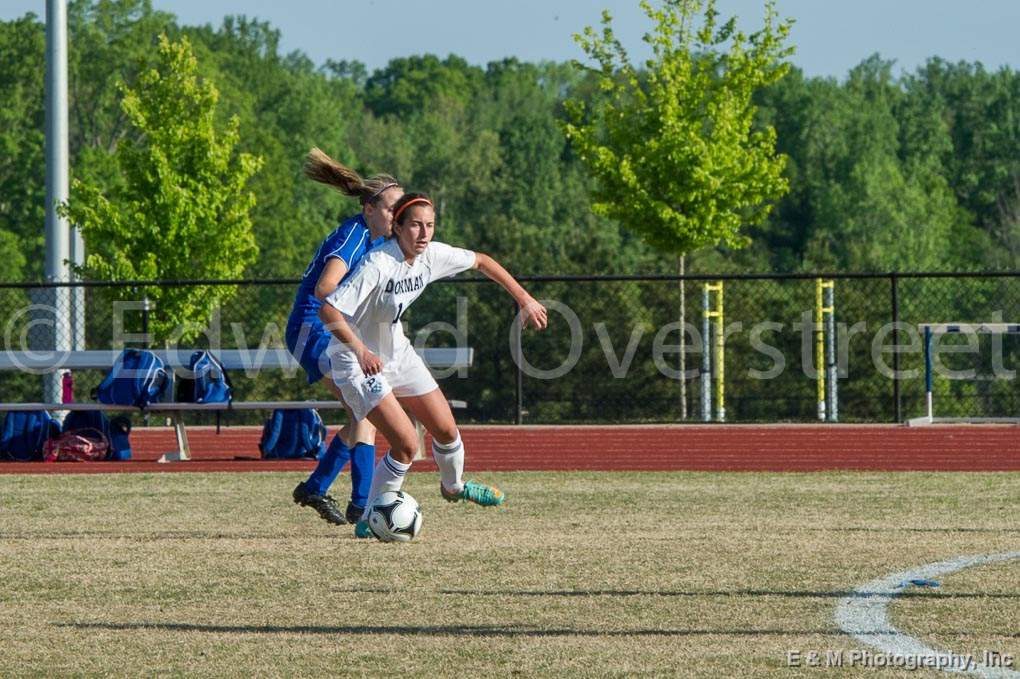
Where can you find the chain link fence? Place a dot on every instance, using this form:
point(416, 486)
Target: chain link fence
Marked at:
point(617, 350)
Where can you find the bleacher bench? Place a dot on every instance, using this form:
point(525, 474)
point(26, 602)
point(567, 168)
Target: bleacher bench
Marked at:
point(250, 362)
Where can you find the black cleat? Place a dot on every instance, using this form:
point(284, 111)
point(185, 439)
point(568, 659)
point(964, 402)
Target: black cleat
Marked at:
point(324, 504)
point(354, 512)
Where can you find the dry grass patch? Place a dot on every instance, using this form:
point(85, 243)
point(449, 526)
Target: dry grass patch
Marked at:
point(582, 574)
point(973, 611)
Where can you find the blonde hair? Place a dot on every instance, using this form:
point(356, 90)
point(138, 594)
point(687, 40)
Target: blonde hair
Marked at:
point(325, 170)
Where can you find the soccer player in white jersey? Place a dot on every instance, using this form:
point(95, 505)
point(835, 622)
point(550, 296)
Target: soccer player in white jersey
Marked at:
point(376, 368)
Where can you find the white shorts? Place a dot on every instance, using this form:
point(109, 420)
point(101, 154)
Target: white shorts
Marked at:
point(405, 375)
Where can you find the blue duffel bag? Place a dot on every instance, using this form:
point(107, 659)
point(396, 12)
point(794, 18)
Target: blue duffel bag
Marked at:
point(293, 434)
point(137, 378)
point(25, 433)
point(206, 381)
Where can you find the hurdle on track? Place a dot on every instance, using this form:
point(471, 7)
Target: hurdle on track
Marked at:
point(713, 360)
point(929, 331)
point(825, 350)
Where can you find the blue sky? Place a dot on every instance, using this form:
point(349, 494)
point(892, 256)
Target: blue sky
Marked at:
point(831, 36)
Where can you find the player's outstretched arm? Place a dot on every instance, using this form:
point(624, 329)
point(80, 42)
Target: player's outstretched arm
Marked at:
point(341, 329)
point(533, 313)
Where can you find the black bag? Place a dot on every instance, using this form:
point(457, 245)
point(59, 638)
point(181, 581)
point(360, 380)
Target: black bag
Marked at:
point(120, 444)
point(86, 419)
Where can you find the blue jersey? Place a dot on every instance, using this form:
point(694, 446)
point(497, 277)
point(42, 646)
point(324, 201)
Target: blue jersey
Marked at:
point(349, 242)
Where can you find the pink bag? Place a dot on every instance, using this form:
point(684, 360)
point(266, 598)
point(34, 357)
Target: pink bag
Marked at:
point(81, 445)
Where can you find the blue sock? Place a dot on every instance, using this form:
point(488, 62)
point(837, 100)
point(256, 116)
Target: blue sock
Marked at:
point(330, 464)
point(362, 467)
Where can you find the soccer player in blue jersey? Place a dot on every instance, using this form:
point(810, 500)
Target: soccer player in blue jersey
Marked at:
point(307, 338)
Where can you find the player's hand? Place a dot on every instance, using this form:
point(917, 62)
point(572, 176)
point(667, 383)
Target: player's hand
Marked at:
point(534, 315)
point(369, 362)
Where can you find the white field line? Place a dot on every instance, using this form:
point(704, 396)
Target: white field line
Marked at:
point(864, 615)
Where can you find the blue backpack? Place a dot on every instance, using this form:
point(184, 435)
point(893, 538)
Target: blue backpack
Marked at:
point(207, 382)
point(138, 378)
point(24, 434)
point(292, 434)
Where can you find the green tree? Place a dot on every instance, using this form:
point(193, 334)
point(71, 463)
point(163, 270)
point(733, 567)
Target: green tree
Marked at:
point(674, 148)
point(408, 82)
point(182, 209)
point(22, 159)
point(982, 111)
point(107, 40)
point(285, 106)
point(866, 167)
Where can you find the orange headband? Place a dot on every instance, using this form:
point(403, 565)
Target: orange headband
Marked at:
point(396, 217)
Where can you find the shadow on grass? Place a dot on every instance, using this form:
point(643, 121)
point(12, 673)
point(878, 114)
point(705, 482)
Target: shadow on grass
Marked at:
point(794, 594)
point(145, 536)
point(476, 630)
point(436, 630)
point(506, 631)
point(911, 529)
point(148, 536)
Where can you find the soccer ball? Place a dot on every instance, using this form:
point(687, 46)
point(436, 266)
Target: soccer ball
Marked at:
point(394, 516)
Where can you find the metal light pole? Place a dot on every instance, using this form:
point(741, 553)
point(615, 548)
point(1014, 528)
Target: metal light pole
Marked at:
point(58, 233)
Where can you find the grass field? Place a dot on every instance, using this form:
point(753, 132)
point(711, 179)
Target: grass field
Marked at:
point(581, 574)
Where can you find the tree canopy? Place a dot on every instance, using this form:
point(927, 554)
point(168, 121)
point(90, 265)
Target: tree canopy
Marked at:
point(673, 147)
point(181, 207)
point(885, 169)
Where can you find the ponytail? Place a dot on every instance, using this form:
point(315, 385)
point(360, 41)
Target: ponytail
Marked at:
point(321, 168)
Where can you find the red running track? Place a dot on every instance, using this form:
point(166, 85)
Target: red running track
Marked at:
point(779, 448)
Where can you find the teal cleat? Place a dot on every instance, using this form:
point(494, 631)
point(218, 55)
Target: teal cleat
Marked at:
point(479, 493)
point(361, 530)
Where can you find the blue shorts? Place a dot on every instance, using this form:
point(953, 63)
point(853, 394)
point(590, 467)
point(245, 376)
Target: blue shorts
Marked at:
point(307, 343)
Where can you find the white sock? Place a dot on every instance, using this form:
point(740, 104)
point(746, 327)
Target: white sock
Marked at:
point(450, 459)
point(389, 475)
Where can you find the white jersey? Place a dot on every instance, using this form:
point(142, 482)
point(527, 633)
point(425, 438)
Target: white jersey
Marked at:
point(373, 298)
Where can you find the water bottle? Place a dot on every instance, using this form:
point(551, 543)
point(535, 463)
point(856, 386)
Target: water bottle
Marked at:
point(67, 382)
